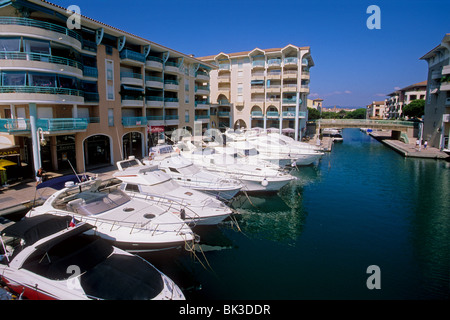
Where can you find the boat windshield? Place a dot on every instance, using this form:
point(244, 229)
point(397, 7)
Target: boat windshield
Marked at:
point(189, 170)
point(160, 188)
point(90, 203)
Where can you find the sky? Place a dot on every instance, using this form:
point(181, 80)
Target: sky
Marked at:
point(354, 65)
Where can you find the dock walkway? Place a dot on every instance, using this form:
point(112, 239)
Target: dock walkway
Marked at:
point(409, 150)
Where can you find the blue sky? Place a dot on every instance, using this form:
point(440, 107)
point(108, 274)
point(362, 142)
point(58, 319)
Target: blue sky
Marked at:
point(353, 65)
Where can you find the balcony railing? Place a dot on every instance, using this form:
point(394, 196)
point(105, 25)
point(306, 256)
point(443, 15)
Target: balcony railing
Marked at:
point(171, 117)
point(90, 72)
point(39, 24)
point(154, 98)
point(203, 116)
point(274, 62)
point(91, 97)
point(130, 75)
point(151, 58)
point(224, 113)
point(5, 55)
point(134, 121)
point(155, 118)
point(132, 55)
point(41, 90)
point(224, 66)
point(273, 114)
point(258, 63)
point(290, 60)
point(152, 78)
point(62, 124)
point(289, 101)
point(257, 114)
point(201, 103)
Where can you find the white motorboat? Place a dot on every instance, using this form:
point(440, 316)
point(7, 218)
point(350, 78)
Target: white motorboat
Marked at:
point(131, 224)
point(47, 258)
point(254, 177)
point(188, 175)
point(154, 186)
point(334, 134)
point(275, 149)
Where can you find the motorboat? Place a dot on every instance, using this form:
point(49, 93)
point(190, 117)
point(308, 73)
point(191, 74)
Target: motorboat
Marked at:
point(334, 134)
point(131, 224)
point(254, 177)
point(149, 183)
point(50, 257)
point(275, 149)
point(189, 175)
point(294, 143)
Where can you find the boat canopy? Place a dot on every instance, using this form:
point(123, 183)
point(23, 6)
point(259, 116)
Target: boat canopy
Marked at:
point(59, 182)
point(38, 227)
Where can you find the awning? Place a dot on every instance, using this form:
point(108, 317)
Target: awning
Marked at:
point(130, 88)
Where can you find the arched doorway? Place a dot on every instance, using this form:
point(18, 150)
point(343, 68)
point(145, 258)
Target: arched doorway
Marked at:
point(240, 124)
point(97, 151)
point(132, 144)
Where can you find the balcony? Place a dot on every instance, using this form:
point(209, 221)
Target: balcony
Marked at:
point(224, 114)
point(51, 125)
point(132, 101)
point(20, 60)
point(91, 97)
point(446, 70)
point(271, 63)
point(447, 102)
point(289, 87)
point(258, 64)
point(154, 82)
point(445, 86)
point(171, 119)
point(132, 57)
point(131, 78)
point(40, 29)
point(202, 104)
point(436, 74)
point(257, 114)
point(29, 94)
point(171, 102)
point(273, 88)
point(155, 120)
point(201, 75)
point(291, 114)
point(290, 74)
point(203, 90)
point(224, 79)
point(133, 122)
point(224, 66)
point(273, 114)
point(171, 67)
point(304, 88)
point(171, 85)
point(154, 63)
point(257, 89)
point(223, 102)
point(288, 101)
point(90, 72)
point(204, 118)
point(154, 101)
point(290, 61)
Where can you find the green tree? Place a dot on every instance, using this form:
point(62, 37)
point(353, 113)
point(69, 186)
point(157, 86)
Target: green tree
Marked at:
point(415, 109)
point(359, 113)
point(313, 114)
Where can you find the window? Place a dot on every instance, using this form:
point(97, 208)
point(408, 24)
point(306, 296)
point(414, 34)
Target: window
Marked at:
point(109, 80)
point(42, 80)
point(36, 46)
point(10, 44)
point(239, 87)
point(14, 78)
point(240, 98)
point(111, 117)
point(240, 73)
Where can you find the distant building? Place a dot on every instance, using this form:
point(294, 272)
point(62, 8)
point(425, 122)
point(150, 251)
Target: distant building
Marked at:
point(261, 87)
point(336, 109)
point(437, 106)
point(315, 104)
point(376, 110)
point(400, 98)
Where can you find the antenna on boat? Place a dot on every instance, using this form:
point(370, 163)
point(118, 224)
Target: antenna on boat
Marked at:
point(76, 174)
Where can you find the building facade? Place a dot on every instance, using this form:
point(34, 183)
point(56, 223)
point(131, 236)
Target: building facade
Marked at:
point(402, 97)
point(376, 110)
point(437, 106)
point(90, 95)
point(262, 88)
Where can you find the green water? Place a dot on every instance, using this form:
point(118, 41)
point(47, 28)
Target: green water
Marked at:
point(360, 205)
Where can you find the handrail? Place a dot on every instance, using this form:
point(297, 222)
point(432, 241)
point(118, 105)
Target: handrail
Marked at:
point(30, 56)
point(39, 24)
point(43, 90)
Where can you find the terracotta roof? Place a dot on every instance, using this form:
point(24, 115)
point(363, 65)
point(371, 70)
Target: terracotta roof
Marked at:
point(245, 53)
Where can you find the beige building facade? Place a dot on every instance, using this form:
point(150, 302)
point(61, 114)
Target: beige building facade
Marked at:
point(92, 95)
point(264, 88)
point(376, 110)
point(402, 97)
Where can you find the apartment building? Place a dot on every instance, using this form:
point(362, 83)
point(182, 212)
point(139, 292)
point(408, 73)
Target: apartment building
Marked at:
point(89, 95)
point(376, 110)
point(400, 98)
point(315, 104)
point(265, 88)
point(437, 105)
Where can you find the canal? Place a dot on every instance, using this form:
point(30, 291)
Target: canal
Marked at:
point(361, 205)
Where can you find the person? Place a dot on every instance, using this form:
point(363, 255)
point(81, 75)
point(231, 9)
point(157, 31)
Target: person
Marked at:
point(39, 175)
point(417, 144)
point(425, 144)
